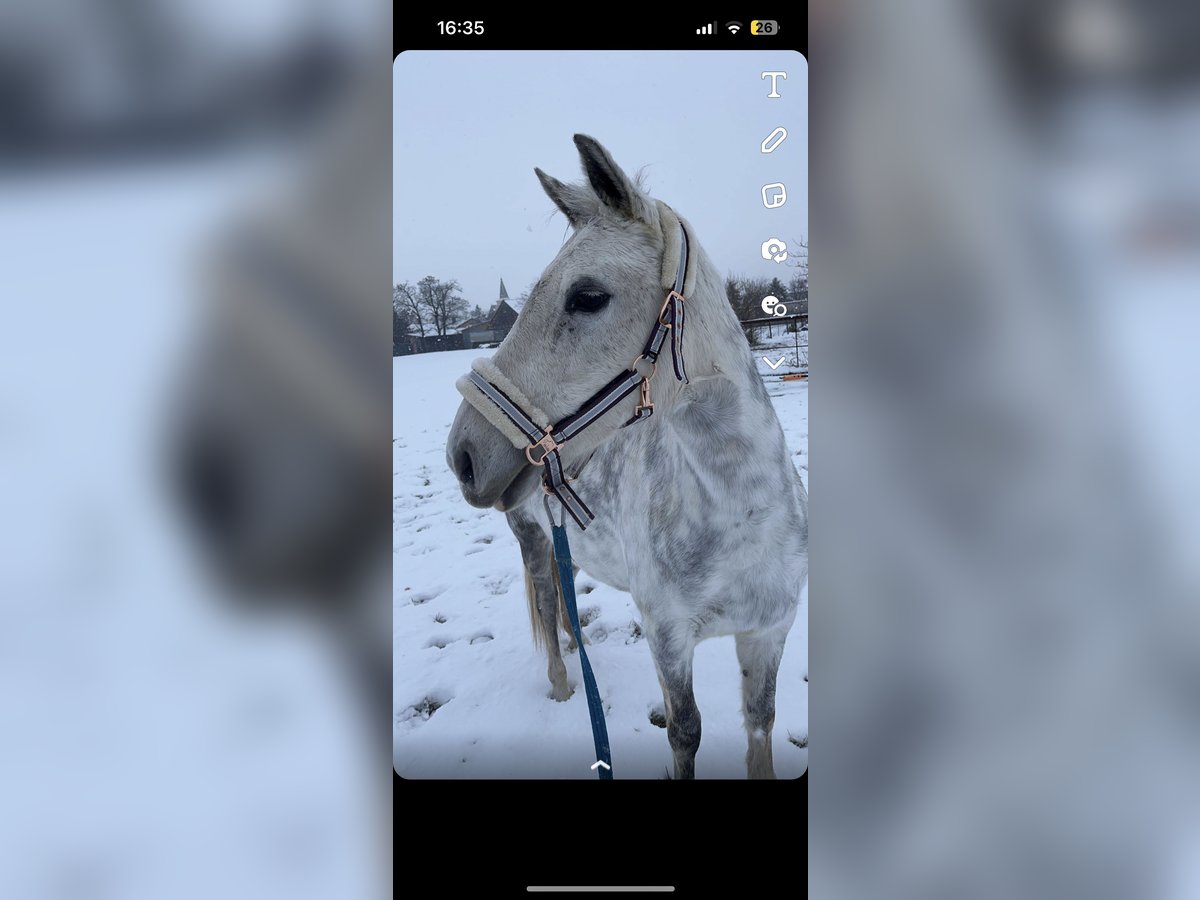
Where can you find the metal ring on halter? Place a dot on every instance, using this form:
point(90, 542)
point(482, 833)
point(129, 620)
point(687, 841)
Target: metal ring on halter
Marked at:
point(639, 366)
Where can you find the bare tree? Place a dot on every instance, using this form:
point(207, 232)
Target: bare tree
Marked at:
point(798, 283)
point(402, 315)
point(440, 299)
point(400, 328)
point(797, 293)
point(798, 256)
point(746, 296)
point(406, 301)
point(754, 291)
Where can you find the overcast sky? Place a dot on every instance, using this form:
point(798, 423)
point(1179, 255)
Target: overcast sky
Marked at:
point(470, 127)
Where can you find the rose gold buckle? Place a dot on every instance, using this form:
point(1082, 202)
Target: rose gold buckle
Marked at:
point(674, 295)
point(548, 445)
point(644, 401)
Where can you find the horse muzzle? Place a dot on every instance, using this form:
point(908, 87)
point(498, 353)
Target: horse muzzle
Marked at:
point(490, 470)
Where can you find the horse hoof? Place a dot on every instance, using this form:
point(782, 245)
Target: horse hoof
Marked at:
point(561, 694)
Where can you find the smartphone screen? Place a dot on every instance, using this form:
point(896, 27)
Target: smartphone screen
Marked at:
point(600, 389)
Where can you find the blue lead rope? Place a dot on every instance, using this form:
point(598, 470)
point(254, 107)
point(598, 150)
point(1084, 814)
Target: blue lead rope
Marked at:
point(504, 399)
point(566, 578)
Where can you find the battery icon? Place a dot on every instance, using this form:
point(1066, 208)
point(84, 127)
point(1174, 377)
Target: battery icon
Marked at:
point(760, 28)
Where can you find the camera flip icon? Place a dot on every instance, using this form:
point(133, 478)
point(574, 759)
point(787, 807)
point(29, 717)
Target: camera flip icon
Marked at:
point(774, 248)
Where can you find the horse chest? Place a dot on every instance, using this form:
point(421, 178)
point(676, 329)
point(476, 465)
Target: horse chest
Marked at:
point(678, 543)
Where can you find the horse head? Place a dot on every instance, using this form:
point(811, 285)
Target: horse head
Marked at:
point(586, 319)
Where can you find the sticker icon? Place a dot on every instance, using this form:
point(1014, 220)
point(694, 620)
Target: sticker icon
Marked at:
point(772, 306)
point(774, 248)
point(774, 76)
point(774, 195)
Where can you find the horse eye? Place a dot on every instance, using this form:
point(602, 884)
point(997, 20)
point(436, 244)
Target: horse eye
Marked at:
point(588, 301)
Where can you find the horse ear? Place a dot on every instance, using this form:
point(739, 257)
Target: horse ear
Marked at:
point(615, 189)
point(575, 202)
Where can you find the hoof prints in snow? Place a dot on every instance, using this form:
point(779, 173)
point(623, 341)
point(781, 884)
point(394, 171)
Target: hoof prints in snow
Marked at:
point(588, 616)
point(468, 563)
point(425, 596)
point(441, 643)
point(422, 710)
point(499, 585)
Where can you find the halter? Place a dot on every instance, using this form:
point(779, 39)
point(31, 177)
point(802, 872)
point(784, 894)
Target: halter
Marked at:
point(545, 441)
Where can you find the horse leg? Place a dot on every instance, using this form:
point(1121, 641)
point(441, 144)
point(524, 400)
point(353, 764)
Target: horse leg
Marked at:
point(673, 661)
point(541, 587)
point(564, 618)
point(547, 606)
point(759, 654)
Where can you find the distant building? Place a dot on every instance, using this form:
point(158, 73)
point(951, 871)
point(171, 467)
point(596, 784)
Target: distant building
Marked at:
point(473, 332)
point(453, 341)
point(475, 322)
point(493, 328)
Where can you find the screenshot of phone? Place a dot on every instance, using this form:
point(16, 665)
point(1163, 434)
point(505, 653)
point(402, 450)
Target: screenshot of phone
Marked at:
point(600, 430)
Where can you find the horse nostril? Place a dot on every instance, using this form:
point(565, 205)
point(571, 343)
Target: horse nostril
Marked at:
point(466, 471)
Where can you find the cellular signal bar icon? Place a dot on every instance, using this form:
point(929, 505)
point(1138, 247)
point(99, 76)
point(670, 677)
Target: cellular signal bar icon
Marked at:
point(710, 28)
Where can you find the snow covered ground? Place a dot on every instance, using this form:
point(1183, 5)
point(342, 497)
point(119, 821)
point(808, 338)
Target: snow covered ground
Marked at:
point(471, 697)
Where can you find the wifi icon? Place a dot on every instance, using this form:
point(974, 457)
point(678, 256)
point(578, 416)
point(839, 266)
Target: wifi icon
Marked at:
point(733, 27)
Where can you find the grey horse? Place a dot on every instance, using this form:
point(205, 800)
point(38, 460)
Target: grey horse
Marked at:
point(700, 514)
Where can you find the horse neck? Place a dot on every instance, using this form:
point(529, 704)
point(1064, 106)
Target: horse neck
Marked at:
point(715, 428)
point(714, 345)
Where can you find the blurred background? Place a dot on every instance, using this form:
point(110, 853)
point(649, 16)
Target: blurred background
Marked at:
point(1005, 264)
point(1005, 276)
point(194, 439)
